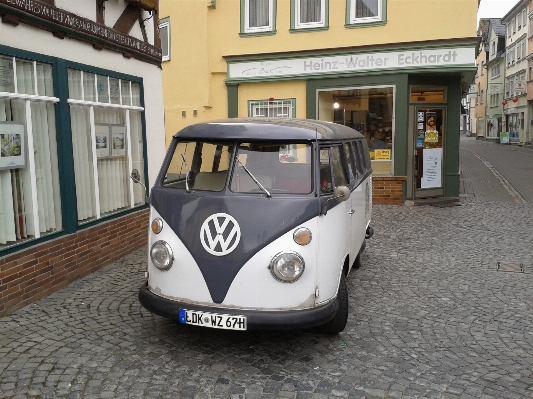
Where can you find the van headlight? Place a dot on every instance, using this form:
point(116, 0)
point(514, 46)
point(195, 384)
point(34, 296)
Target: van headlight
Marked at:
point(161, 255)
point(287, 266)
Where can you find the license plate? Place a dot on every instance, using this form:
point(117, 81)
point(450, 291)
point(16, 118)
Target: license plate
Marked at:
point(212, 320)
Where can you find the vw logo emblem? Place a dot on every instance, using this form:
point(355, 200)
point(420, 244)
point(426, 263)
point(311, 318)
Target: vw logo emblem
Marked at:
point(220, 234)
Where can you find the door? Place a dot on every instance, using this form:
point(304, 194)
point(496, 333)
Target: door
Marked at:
point(334, 225)
point(429, 129)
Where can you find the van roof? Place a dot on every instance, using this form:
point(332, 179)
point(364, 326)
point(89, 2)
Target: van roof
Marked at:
point(268, 129)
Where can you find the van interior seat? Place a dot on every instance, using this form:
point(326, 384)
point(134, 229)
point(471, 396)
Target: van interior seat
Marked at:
point(212, 181)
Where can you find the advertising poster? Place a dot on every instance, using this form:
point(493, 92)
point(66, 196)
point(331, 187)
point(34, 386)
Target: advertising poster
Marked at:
point(432, 168)
point(118, 140)
point(12, 145)
point(431, 134)
point(102, 141)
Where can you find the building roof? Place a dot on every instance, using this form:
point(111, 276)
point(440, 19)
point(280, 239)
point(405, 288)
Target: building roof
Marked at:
point(498, 27)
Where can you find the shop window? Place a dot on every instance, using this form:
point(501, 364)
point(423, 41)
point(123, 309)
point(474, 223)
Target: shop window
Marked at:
point(30, 204)
point(430, 94)
point(309, 13)
point(257, 16)
point(107, 142)
point(164, 36)
point(365, 11)
point(370, 111)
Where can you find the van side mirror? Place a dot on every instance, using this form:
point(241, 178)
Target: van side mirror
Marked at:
point(341, 193)
point(136, 177)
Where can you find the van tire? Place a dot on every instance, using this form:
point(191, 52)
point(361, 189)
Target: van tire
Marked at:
point(357, 263)
point(338, 323)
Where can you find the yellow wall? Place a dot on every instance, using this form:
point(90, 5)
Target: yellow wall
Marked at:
point(201, 36)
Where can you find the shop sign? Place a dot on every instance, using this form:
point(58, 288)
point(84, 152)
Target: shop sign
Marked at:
point(66, 21)
point(352, 63)
point(520, 86)
point(504, 138)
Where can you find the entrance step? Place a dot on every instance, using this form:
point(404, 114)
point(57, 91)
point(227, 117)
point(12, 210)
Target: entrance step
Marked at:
point(440, 201)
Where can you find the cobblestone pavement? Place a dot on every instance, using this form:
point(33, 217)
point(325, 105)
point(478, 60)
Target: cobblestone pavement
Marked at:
point(433, 315)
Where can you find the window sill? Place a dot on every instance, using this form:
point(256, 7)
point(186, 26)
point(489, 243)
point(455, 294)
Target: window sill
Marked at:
point(365, 24)
point(254, 34)
point(304, 30)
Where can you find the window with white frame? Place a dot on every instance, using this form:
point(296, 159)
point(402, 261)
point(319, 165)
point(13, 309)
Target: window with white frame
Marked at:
point(30, 203)
point(365, 11)
point(493, 48)
point(272, 108)
point(107, 141)
point(258, 15)
point(164, 35)
point(310, 13)
point(524, 18)
point(495, 70)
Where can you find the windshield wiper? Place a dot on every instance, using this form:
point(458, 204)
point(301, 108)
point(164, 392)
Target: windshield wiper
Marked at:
point(253, 178)
point(187, 175)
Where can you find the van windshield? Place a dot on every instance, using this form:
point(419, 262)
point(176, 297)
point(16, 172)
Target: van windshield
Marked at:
point(204, 166)
point(279, 168)
point(199, 165)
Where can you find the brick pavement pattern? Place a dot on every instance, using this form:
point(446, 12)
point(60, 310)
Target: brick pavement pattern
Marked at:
point(432, 316)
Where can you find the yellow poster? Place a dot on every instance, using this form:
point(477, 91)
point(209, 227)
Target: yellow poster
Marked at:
point(431, 136)
point(382, 154)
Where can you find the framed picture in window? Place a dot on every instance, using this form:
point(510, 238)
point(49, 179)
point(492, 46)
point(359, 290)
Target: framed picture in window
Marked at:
point(102, 140)
point(118, 140)
point(12, 145)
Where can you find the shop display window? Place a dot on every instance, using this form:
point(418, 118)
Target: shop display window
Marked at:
point(368, 110)
point(107, 142)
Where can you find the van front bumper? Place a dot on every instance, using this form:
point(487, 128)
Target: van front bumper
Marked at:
point(255, 319)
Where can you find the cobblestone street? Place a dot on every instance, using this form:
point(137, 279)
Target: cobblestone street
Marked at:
point(442, 307)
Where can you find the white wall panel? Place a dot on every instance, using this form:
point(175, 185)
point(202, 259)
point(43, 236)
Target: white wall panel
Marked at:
point(82, 8)
point(31, 39)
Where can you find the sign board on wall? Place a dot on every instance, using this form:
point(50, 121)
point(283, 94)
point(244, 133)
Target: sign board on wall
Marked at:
point(353, 63)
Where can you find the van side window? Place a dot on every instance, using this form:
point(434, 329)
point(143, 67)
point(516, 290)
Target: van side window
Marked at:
point(337, 166)
point(361, 156)
point(352, 171)
point(326, 182)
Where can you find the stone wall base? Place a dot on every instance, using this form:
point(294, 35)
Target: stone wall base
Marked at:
point(33, 273)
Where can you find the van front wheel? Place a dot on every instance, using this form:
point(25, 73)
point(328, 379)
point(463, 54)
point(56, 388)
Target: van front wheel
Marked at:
point(337, 324)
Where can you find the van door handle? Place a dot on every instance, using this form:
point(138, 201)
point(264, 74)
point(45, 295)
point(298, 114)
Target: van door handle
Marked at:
point(351, 212)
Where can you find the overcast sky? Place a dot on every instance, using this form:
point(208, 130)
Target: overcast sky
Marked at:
point(495, 8)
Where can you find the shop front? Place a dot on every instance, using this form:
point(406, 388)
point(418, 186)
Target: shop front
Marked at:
point(407, 104)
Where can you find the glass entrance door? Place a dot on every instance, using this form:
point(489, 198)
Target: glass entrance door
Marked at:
point(429, 131)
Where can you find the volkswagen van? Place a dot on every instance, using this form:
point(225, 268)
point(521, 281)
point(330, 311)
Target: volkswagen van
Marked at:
point(255, 224)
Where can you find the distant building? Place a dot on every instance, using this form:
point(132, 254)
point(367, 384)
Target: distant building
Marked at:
point(81, 87)
point(515, 96)
point(495, 79)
